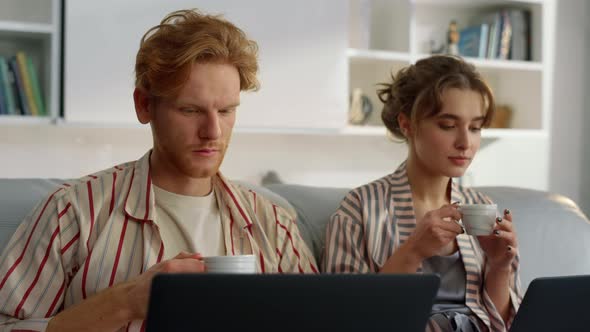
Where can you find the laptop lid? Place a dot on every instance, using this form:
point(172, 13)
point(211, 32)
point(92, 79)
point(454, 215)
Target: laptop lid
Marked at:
point(351, 302)
point(554, 304)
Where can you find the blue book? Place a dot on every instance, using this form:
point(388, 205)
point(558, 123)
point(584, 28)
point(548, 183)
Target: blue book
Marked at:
point(494, 22)
point(473, 41)
point(3, 103)
point(18, 107)
point(7, 80)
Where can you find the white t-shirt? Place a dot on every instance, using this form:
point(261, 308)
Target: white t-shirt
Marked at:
point(189, 223)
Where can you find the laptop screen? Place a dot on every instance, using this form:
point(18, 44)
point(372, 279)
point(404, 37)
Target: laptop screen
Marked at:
point(554, 304)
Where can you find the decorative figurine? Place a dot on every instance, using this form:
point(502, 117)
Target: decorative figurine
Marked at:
point(453, 39)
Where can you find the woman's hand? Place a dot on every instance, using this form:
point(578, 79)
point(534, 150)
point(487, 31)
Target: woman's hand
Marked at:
point(501, 246)
point(434, 231)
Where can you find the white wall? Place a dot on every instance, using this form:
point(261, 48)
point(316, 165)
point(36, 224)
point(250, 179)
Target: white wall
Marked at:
point(585, 148)
point(67, 152)
point(317, 160)
point(570, 122)
point(301, 55)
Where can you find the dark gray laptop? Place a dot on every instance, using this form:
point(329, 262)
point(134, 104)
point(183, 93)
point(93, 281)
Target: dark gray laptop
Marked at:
point(556, 304)
point(353, 302)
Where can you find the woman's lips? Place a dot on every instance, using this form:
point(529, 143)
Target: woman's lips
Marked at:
point(459, 161)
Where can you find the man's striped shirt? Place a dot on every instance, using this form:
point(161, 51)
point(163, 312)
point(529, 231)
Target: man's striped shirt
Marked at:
point(102, 229)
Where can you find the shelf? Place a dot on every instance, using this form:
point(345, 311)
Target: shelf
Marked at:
point(14, 27)
point(364, 131)
point(485, 134)
point(360, 55)
point(25, 120)
point(286, 131)
point(506, 64)
point(477, 2)
point(511, 133)
point(482, 63)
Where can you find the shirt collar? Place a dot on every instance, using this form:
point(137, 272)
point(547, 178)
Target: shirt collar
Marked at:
point(139, 200)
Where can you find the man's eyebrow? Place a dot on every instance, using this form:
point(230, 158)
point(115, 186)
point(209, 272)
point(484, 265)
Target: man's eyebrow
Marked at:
point(188, 104)
point(232, 106)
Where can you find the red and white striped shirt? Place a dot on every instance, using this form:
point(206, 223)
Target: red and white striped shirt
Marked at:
point(102, 229)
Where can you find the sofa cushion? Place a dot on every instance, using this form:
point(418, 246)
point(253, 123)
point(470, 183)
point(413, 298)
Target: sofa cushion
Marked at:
point(314, 206)
point(17, 199)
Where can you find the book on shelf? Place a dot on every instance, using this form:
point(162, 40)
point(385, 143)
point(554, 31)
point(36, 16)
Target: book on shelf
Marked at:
point(19, 87)
point(493, 20)
point(18, 106)
point(20, 90)
point(473, 41)
point(7, 83)
point(26, 80)
point(508, 34)
point(35, 87)
point(505, 36)
point(521, 35)
point(3, 102)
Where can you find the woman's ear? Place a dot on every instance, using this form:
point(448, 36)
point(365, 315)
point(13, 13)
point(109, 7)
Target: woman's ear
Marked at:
point(405, 125)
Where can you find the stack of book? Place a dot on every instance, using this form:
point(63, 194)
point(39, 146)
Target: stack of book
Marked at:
point(503, 34)
point(20, 91)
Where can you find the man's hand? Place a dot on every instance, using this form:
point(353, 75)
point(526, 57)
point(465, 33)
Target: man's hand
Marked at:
point(139, 292)
point(114, 307)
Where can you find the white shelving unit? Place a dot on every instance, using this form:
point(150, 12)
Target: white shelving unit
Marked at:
point(26, 29)
point(34, 26)
point(387, 35)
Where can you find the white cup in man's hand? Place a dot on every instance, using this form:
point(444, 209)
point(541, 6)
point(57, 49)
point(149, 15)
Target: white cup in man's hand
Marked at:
point(478, 219)
point(240, 264)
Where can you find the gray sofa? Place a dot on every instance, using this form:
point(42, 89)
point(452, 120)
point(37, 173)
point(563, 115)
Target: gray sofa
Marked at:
point(554, 234)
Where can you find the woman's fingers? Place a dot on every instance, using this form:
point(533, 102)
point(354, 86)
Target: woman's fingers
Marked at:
point(507, 215)
point(508, 237)
point(448, 211)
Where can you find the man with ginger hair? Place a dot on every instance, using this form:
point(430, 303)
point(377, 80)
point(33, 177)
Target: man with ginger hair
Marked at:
point(84, 258)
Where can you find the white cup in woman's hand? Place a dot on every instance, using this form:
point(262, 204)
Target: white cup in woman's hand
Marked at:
point(478, 219)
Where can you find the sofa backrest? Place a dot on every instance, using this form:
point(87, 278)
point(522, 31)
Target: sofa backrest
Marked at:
point(18, 197)
point(314, 206)
point(554, 234)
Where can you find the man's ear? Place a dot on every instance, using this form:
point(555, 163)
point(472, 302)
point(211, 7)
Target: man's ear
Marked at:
point(142, 106)
point(405, 125)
